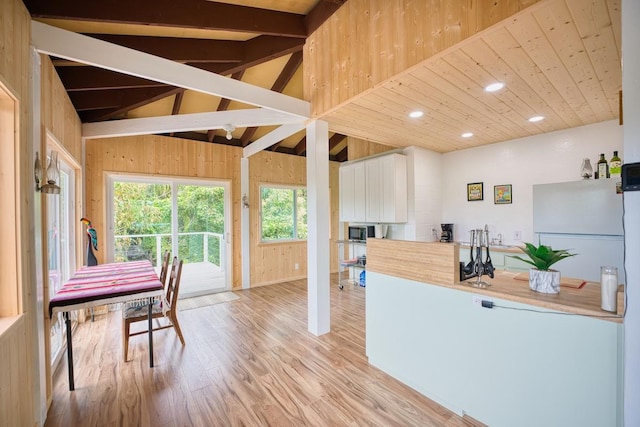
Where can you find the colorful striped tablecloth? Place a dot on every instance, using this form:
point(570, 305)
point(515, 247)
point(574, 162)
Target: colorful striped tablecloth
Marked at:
point(107, 284)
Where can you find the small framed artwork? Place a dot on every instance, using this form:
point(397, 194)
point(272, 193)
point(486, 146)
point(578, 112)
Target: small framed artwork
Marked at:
point(502, 194)
point(474, 191)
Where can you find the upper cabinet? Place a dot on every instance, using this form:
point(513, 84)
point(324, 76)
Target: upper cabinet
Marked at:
point(352, 192)
point(374, 190)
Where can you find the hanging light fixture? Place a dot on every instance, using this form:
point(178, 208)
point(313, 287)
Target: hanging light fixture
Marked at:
point(52, 174)
point(229, 128)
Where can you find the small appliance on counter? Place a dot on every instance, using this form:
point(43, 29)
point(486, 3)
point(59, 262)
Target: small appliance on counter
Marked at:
point(361, 232)
point(447, 233)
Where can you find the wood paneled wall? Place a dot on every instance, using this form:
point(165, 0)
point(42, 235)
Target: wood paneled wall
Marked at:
point(58, 115)
point(158, 155)
point(367, 42)
point(359, 148)
point(164, 156)
point(18, 345)
point(275, 262)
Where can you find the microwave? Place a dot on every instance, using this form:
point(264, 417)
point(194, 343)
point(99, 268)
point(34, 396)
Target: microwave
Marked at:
point(361, 232)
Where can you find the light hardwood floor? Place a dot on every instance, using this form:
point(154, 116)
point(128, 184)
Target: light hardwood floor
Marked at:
point(249, 362)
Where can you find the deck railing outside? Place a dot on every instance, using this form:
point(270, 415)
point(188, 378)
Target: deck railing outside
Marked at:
point(194, 247)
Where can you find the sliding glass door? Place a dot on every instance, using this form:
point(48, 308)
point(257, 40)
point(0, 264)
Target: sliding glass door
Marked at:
point(189, 218)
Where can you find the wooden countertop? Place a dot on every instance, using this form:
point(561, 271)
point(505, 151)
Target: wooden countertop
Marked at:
point(584, 301)
point(422, 262)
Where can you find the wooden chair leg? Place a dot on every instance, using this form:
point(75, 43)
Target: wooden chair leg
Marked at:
point(176, 326)
point(125, 337)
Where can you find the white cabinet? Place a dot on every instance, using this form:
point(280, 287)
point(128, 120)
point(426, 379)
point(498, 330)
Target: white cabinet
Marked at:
point(374, 190)
point(393, 175)
point(373, 193)
point(352, 192)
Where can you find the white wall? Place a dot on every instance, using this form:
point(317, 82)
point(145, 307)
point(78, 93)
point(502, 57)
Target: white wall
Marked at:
point(551, 157)
point(424, 197)
point(631, 99)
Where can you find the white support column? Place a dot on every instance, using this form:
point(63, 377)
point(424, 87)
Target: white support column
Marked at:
point(318, 220)
point(40, 370)
point(244, 223)
point(631, 154)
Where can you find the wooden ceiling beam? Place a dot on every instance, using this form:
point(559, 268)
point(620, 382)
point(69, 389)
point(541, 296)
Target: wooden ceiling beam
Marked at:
point(301, 147)
point(343, 155)
point(112, 98)
point(256, 51)
point(132, 101)
point(320, 13)
point(177, 103)
point(181, 49)
point(336, 139)
point(196, 14)
point(91, 78)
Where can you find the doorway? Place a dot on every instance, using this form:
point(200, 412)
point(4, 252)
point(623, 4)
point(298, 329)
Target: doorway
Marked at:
point(189, 218)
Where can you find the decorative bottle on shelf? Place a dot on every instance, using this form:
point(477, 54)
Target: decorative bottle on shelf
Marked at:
point(602, 168)
point(615, 166)
point(586, 171)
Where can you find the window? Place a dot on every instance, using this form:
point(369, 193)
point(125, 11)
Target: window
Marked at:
point(283, 213)
point(10, 206)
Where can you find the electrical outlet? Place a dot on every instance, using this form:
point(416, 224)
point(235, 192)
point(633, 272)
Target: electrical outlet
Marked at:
point(477, 300)
point(517, 235)
point(296, 266)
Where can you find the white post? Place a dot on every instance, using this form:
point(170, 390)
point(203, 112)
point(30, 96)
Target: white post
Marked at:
point(39, 368)
point(318, 292)
point(244, 222)
point(631, 154)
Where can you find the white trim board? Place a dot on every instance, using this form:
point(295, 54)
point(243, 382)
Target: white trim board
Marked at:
point(187, 122)
point(271, 138)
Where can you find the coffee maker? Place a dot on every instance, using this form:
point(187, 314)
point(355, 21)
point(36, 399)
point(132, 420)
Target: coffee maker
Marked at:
point(447, 233)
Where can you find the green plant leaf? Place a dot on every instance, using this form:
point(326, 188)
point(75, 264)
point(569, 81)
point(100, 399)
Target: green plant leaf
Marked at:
point(542, 257)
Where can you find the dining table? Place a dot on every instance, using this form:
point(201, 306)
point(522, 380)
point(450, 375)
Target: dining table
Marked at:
point(104, 284)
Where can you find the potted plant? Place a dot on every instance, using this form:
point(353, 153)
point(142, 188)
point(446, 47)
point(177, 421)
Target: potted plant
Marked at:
point(542, 278)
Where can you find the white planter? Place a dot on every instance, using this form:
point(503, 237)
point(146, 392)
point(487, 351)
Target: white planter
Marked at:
point(546, 282)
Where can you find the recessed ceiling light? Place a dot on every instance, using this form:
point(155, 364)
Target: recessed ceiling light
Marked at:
point(467, 135)
point(494, 87)
point(536, 119)
point(416, 114)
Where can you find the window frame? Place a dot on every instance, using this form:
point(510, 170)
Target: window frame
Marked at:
point(295, 189)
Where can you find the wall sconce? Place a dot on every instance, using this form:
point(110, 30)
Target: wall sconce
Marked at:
point(52, 173)
point(245, 201)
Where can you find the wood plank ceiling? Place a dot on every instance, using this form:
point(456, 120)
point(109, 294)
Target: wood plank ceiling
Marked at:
point(560, 59)
point(255, 41)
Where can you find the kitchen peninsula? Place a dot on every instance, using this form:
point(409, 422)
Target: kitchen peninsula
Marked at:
point(531, 360)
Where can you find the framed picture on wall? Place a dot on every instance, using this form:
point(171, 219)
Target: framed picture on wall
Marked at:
point(502, 194)
point(475, 191)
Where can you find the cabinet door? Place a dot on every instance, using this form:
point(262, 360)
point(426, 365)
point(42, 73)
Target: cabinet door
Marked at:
point(347, 186)
point(393, 184)
point(352, 192)
point(374, 193)
point(359, 192)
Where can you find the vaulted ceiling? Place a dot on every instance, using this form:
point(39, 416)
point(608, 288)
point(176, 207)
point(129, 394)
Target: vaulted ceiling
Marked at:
point(254, 41)
point(560, 59)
